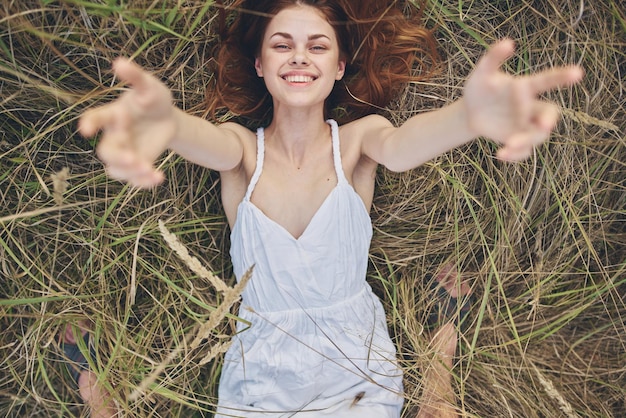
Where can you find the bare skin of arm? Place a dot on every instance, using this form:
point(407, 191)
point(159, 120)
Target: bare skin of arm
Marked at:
point(495, 105)
point(143, 123)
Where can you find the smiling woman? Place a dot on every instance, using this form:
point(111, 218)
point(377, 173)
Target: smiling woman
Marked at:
point(297, 191)
point(299, 54)
point(383, 43)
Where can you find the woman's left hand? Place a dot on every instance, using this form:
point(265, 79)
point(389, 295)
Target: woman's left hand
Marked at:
point(507, 108)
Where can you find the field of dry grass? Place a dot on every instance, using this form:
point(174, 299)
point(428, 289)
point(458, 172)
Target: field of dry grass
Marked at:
point(544, 240)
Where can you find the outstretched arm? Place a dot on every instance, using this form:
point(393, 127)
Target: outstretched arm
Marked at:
point(495, 105)
point(142, 123)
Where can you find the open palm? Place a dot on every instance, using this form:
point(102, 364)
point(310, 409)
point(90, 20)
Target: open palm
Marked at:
point(507, 109)
point(136, 128)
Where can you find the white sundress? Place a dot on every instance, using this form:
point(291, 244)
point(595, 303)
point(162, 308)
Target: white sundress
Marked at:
point(318, 343)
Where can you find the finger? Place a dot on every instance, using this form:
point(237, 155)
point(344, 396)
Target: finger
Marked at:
point(520, 146)
point(546, 117)
point(554, 78)
point(523, 106)
point(141, 175)
point(513, 155)
point(497, 55)
point(114, 153)
point(151, 179)
point(137, 178)
point(95, 119)
point(132, 74)
point(534, 115)
point(531, 138)
point(115, 146)
point(117, 155)
point(516, 148)
point(118, 172)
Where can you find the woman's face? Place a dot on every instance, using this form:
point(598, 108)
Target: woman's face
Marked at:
point(299, 58)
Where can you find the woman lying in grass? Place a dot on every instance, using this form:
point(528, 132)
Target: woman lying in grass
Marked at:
point(298, 191)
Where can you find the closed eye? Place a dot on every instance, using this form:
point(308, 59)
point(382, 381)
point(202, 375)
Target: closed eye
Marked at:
point(281, 46)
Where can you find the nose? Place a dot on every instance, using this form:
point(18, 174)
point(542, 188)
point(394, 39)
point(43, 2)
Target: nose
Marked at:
point(299, 57)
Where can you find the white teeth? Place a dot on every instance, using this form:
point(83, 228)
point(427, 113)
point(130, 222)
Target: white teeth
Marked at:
point(299, 78)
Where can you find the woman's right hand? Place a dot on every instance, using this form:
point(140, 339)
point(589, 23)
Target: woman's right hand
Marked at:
point(136, 128)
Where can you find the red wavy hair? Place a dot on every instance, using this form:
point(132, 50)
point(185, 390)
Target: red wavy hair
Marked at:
point(384, 43)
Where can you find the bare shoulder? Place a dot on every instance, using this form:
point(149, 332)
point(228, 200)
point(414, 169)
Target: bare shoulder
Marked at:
point(247, 139)
point(237, 131)
point(366, 126)
point(362, 134)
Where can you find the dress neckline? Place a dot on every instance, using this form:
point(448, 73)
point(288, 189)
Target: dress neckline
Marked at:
point(308, 227)
point(341, 179)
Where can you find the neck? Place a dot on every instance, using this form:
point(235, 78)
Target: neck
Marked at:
point(296, 131)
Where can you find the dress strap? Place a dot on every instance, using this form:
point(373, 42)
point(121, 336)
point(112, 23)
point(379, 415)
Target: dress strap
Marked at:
point(334, 129)
point(260, 154)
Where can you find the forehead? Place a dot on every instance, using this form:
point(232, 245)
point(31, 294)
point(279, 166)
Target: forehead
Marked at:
point(295, 20)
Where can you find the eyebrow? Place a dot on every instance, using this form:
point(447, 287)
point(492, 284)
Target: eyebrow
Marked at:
point(310, 38)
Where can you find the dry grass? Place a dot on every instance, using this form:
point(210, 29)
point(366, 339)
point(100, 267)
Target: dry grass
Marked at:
point(544, 239)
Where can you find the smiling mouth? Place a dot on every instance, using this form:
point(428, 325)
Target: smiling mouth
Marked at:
point(298, 78)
